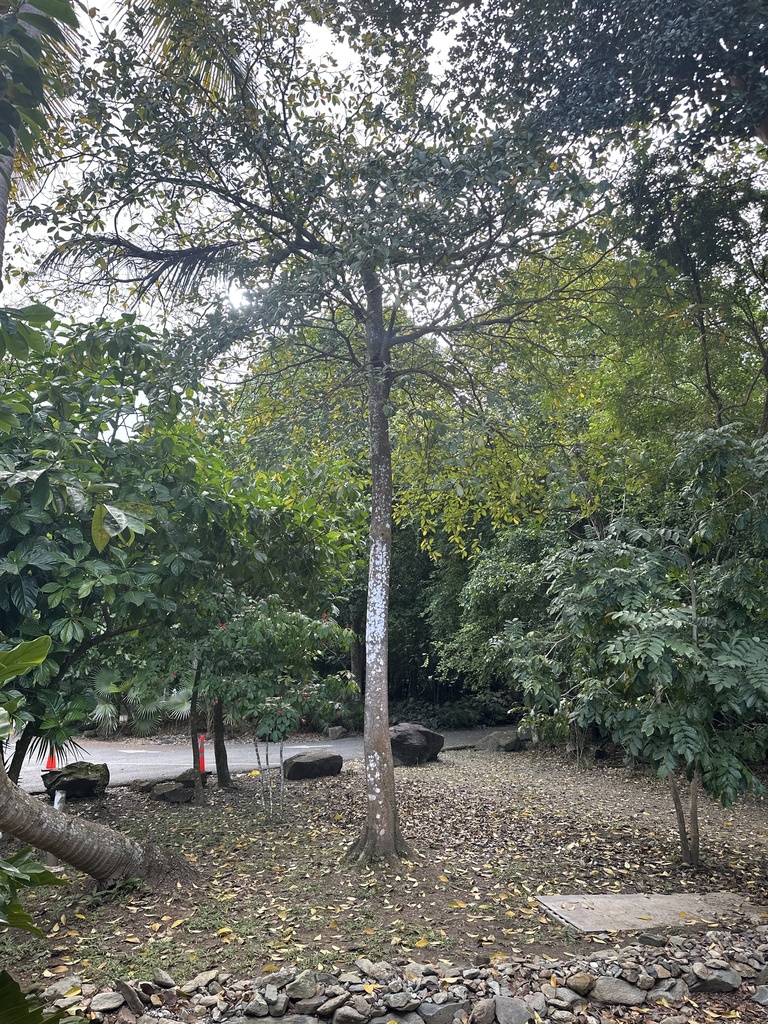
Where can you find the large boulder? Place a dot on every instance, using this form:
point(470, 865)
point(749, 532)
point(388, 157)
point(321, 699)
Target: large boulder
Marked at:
point(312, 764)
point(414, 744)
point(78, 779)
point(507, 740)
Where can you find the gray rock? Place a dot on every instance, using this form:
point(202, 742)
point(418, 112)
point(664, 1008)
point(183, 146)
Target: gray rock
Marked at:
point(404, 1018)
point(271, 993)
point(59, 989)
point(537, 1003)
point(644, 981)
point(130, 995)
point(382, 970)
point(257, 1007)
point(712, 979)
point(310, 1006)
point(401, 1002)
point(483, 1012)
point(66, 1001)
point(106, 1002)
point(312, 764)
point(279, 1006)
point(649, 939)
point(187, 777)
point(673, 990)
point(762, 977)
point(761, 995)
point(507, 740)
point(510, 1010)
point(562, 1016)
point(615, 990)
point(329, 1006)
point(163, 979)
point(336, 732)
point(348, 1015)
point(434, 1013)
point(77, 779)
point(172, 793)
point(200, 981)
point(414, 744)
point(276, 978)
point(299, 1018)
point(302, 987)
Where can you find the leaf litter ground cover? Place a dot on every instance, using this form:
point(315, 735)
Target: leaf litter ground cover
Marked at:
point(489, 833)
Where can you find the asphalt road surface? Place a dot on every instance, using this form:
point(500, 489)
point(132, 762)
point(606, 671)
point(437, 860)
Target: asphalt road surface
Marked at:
point(132, 759)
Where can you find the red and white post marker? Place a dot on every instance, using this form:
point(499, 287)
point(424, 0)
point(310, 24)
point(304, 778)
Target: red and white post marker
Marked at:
point(201, 752)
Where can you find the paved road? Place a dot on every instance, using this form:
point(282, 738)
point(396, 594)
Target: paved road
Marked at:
point(133, 759)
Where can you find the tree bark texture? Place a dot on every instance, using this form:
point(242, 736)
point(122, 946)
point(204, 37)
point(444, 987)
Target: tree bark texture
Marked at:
point(194, 735)
point(223, 778)
point(101, 852)
point(381, 838)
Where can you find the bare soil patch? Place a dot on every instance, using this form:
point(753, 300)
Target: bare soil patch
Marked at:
point(490, 832)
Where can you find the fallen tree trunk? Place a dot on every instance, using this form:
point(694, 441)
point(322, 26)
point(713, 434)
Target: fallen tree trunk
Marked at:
point(104, 853)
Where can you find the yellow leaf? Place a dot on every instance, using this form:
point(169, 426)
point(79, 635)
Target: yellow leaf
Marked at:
point(370, 989)
point(224, 931)
point(422, 943)
point(177, 922)
point(442, 878)
point(369, 931)
point(459, 904)
point(132, 938)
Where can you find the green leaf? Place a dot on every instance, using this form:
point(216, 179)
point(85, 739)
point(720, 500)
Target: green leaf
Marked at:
point(15, 1008)
point(23, 657)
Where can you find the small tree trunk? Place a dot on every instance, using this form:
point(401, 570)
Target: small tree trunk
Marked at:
point(685, 849)
point(20, 751)
point(101, 852)
point(381, 837)
point(223, 778)
point(693, 819)
point(198, 797)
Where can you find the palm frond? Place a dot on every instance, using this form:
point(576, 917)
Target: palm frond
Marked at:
point(112, 257)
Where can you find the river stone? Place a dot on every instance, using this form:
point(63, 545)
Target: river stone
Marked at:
point(79, 779)
point(510, 1010)
point(414, 744)
point(257, 1007)
point(302, 987)
point(312, 764)
point(761, 995)
point(163, 979)
point(615, 990)
point(106, 1002)
point(762, 977)
point(537, 1003)
point(710, 979)
point(401, 1001)
point(507, 740)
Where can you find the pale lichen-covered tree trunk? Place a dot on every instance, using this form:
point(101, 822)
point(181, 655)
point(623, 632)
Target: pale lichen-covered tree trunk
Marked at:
point(101, 852)
point(381, 836)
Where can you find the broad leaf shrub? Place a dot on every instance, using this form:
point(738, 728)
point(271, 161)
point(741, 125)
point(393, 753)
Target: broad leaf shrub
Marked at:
point(659, 634)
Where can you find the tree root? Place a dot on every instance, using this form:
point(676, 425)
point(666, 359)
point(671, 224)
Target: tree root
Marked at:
point(369, 849)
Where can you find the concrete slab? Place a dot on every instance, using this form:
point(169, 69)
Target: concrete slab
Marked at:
point(601, 912)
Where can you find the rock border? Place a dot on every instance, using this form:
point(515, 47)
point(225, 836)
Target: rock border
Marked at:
point(654, 971)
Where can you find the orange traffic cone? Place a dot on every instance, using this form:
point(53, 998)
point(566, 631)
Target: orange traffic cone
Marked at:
point(50, 764)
